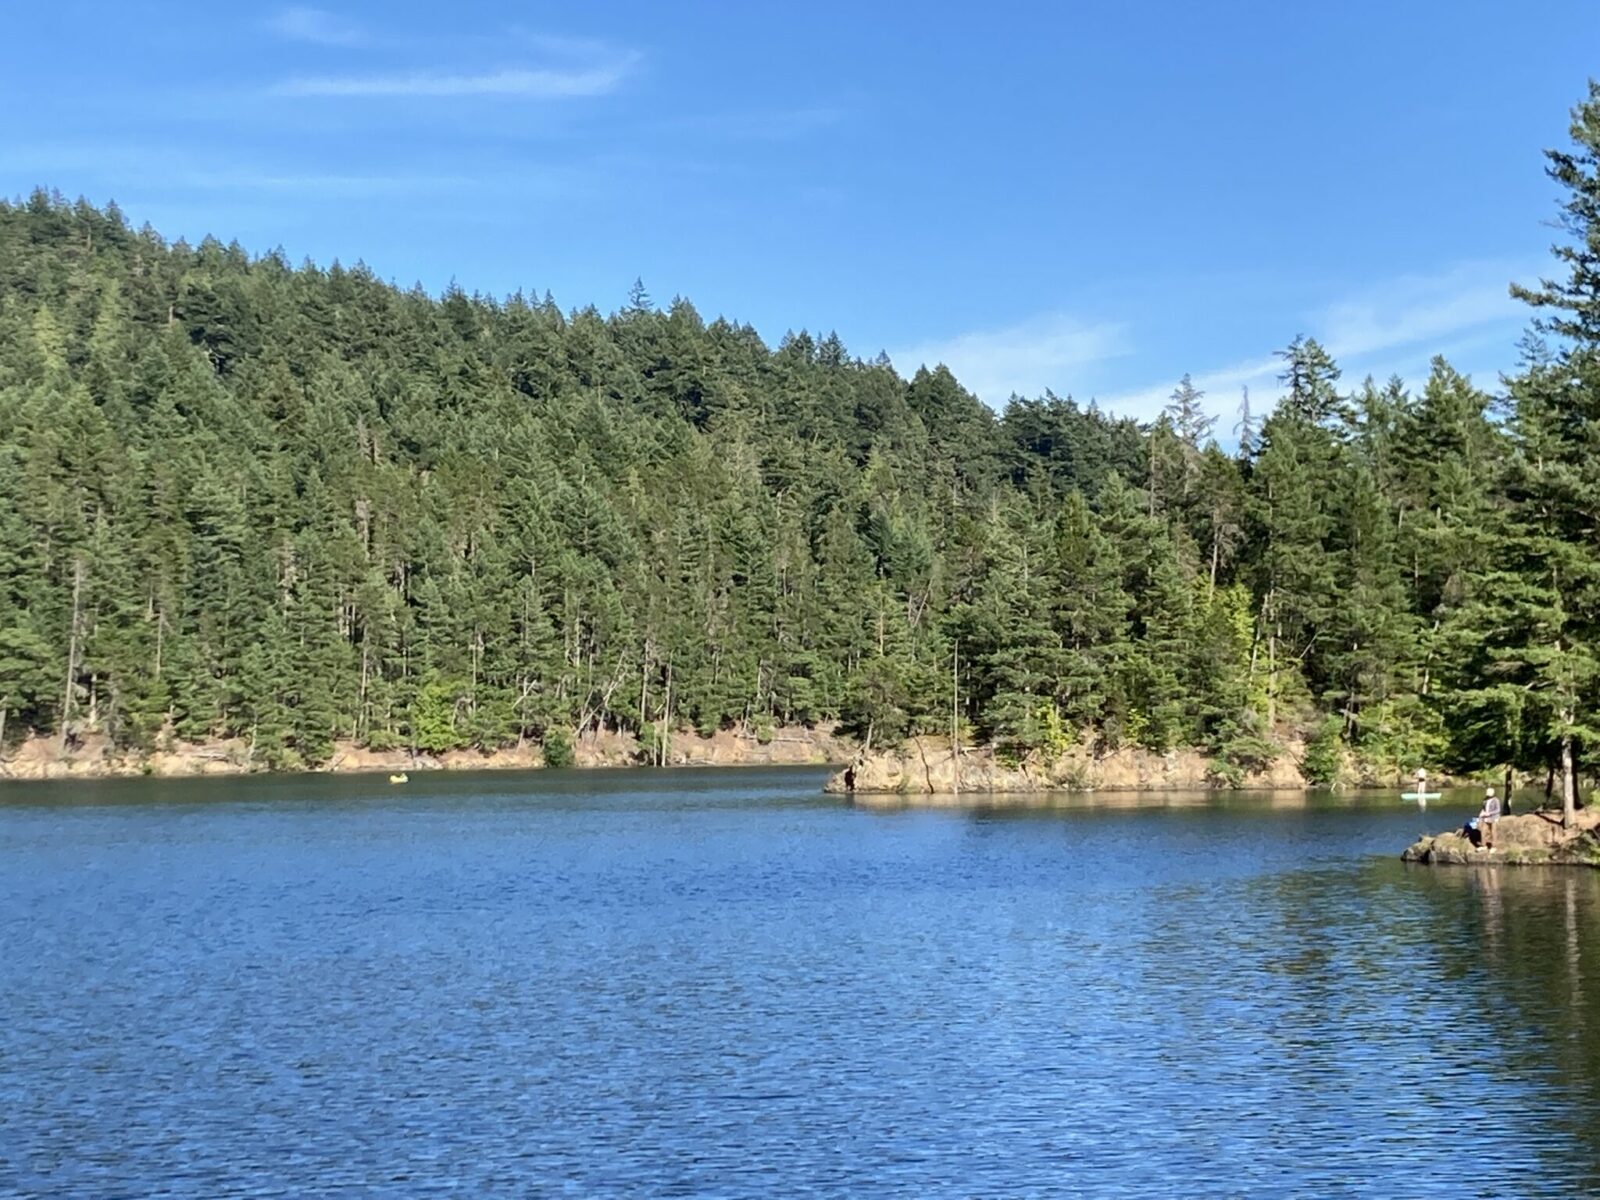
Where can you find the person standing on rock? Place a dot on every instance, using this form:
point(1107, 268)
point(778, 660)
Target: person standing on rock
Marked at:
point(1489, 817)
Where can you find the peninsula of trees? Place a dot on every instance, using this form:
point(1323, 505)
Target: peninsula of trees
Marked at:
point(240, 498)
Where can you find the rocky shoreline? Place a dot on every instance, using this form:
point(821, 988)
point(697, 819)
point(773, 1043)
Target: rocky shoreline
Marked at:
point(1526, 839)
point(40, 759)
point(926, 766)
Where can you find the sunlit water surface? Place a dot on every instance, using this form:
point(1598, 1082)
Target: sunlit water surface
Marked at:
point(725, 984)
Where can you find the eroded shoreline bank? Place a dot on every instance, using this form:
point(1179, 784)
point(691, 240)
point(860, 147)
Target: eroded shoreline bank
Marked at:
point(40, 760)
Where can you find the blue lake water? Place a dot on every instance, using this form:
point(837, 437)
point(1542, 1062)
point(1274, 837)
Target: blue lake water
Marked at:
point(722, 983)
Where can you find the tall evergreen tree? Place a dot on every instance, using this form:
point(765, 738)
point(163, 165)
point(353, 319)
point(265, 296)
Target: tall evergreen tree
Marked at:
point(297, 506)
point(1555, 487)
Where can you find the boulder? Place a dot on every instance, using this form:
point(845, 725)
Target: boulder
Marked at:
point(926, 766)
point(1525, 839)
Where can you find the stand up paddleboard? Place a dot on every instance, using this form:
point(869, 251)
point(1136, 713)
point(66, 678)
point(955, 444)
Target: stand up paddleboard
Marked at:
point(1420, 795)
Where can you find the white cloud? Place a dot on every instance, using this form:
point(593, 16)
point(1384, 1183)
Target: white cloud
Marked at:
point(1223, 388)
point(1391, 328)
point(1022, 359)
point(1416, 309)
point(304, 24)
point(534, 83)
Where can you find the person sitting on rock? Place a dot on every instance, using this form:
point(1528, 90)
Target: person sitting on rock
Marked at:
point(1488, 818)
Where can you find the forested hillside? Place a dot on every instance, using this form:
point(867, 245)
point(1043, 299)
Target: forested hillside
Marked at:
point(297, 504)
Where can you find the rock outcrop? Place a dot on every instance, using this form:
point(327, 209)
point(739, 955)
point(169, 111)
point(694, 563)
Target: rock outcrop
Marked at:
point(786, 745)
point(927, 766)
point(1524, 839)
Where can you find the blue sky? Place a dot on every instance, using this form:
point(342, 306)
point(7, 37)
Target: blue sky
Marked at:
point(1093, 197)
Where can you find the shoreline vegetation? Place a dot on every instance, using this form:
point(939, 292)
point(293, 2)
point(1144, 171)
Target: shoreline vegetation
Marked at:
point(259, 515)
point(921, 766)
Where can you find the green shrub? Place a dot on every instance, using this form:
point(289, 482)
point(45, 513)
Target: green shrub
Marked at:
point(1321, 763)
point(382, 740)
point(1225, 773)
point(558, 750)
point(1241, 752)
point(433, 716)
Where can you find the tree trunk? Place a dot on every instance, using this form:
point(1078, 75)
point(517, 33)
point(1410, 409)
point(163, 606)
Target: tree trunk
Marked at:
point(666, 719)
point(1511, 780)
point(955, 717)
point(72, 652)
point(1569, 781)
point(362, 720)
point(1272, 679)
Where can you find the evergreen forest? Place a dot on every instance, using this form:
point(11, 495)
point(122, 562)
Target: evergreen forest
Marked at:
point(300, 505)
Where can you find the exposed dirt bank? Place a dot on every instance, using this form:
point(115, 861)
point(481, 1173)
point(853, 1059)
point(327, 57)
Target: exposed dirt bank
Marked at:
point(95, 758)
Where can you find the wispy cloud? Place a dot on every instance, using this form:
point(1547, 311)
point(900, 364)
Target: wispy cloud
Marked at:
point(1223, 388)
point(318, 26)
point(1391, 328)
point(532, 83)
point(1022, 359)
point(1416, 309)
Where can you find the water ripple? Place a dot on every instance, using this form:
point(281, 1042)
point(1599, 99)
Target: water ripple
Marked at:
point(718, 985)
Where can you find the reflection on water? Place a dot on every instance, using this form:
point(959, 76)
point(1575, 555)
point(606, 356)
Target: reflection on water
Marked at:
point(987, 804)
point(1529, 951)
point(700, 983)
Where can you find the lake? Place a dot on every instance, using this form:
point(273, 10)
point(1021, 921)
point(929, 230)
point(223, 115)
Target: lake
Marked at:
point(723, 983)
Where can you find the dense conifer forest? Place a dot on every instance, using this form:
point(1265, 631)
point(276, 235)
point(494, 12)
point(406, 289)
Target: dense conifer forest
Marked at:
point(298, 504)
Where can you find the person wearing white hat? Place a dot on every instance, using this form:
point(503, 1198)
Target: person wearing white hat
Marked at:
point(1488, 818)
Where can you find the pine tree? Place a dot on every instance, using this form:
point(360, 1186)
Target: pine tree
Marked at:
point(1091, 610)
point(1294, 486)
point(295, 506)
point(1189, 418)
point(1555, 487)
point(1310, 379)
